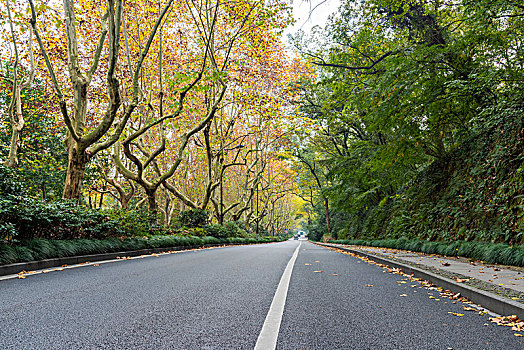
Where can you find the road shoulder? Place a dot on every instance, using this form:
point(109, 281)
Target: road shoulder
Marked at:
point(500, 304)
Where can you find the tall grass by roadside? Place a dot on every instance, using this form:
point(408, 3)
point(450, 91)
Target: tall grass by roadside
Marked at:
point(489, 252)
point(39, 249)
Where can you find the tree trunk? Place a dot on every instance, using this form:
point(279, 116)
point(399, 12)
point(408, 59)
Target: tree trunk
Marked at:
point(326, 204)
point(76, 166)
point(124, 202)
point(44, 195)
point(151, 201)
point(12, 161)
point(102, 196)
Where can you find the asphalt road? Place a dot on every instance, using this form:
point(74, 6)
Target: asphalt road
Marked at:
point(219, 299)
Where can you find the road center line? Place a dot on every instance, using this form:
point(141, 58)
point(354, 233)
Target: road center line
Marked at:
point(267, 339)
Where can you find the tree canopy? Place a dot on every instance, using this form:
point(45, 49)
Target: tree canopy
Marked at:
point(419, 112)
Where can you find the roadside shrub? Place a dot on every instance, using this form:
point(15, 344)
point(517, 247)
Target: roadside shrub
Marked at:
point(38, 249)
point(210, 240)
point(233, 230)
point(132, 222)
point(197, 231)
point(7, 254)
point(489, 252)
point(42, 248)
point(10, 185)
point(23, 253)
point(26, 218)
point(193, 218)
point(31, 218)
point(215, 230)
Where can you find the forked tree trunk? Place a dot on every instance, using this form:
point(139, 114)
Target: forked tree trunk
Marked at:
point(79, 141)
point(75, 173)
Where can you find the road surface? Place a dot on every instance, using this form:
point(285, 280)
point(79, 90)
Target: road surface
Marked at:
point(220, 299)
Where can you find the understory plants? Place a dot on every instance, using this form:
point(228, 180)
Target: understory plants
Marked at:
point(38, 249)
point(493, 253)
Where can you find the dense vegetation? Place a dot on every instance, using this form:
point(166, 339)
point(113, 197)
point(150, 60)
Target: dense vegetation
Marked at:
point(493, 253)
point(419, 109)
point(38, 249)
point(403, 119)
point(33, 229)
point(121, 120)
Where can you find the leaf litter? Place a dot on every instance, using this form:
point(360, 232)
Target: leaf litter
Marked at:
point(512, 321)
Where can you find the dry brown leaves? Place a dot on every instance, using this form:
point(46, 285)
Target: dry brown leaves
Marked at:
point(509, 321)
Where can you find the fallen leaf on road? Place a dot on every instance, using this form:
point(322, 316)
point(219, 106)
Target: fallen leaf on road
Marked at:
point(307, 264)
point(518, 335)
point(368, 285)
point(467, 308)
point(455, 314)
point(514, 298)
point(445, 264)
point(509, 321)
point(460, 280)
point(403, 295)
point(65, 265)
point(335, 274)
point(317, 271)
point(21, 276)
point(519, 326)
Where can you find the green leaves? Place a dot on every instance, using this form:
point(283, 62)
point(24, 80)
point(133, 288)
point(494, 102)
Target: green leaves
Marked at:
point(417, 143)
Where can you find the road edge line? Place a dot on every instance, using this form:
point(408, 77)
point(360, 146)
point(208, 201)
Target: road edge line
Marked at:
point(267, 339)
point(487, 300)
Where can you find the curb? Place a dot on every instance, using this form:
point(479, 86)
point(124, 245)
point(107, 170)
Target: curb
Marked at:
point(490, 301)
point(12, 269)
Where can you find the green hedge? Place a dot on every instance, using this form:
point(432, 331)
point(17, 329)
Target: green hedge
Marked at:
point(26, 218)
point(489, 252)
point(38, 249)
